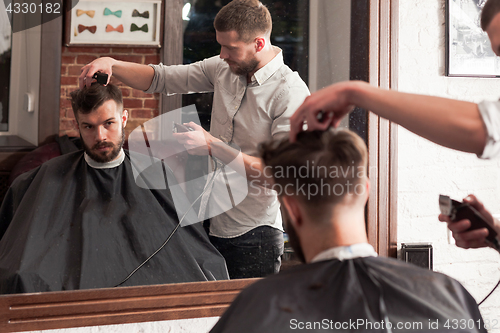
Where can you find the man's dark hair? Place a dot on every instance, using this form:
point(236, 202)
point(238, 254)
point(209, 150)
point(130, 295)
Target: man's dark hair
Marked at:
point(490, 10)
point(86, 100)
point(326, 164)
point(247, 17)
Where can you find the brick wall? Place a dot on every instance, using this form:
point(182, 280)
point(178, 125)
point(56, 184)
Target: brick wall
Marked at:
point(141, 106)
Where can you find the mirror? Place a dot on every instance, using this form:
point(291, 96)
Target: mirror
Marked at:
point(316, 58)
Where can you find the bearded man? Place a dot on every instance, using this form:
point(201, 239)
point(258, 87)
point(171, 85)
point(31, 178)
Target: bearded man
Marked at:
point(81, 220)
point(255, 94)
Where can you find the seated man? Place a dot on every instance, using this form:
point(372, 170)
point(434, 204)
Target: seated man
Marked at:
point(322, 183)
point(81, 221)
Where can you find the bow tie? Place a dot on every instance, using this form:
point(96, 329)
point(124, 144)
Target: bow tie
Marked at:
point(136, 13)
point(90, 13)
point(82, 28)
point(134, 27)
point(107, 11)
point(119, 28)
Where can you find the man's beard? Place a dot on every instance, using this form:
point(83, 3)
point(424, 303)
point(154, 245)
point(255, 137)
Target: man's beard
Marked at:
point(244, 67)
point(105, 156)
point(293, 238)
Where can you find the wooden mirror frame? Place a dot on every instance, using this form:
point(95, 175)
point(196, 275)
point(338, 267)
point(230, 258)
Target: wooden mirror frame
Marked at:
point(374, 31)
point(65, 309)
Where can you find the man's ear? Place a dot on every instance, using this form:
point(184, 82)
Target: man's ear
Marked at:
point(260, 43)
point(124, 117)
point(367, 189)
point(292, 207)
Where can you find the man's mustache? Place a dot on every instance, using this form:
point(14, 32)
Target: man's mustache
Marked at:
point(102, 145)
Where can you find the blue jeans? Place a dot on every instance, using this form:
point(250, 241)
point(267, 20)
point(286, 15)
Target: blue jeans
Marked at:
point(256, 253)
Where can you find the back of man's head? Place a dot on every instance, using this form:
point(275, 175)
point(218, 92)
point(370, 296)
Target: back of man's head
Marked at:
point(490, 10)
point(249, 18)
point(86, 100)
point(320, 168)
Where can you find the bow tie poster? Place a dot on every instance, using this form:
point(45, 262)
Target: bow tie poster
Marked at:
point(112, 23)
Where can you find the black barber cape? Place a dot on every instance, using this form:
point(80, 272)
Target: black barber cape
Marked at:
point(66, 225)
point(355, 295)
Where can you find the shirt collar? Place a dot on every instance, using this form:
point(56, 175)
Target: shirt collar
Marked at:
point(360, 250)
point(269, 69)
point(106, 165)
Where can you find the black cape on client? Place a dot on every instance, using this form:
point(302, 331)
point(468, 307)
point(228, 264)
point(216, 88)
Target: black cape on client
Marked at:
point(66, 225)
point(356, 295)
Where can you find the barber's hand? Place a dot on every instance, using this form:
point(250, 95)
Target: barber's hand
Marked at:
point(332, 100)
point(103, 65)
point(197, 141)
point(474, 238)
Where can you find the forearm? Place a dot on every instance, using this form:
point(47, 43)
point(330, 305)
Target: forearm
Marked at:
point(451, 123)
point(253, 168)
point(134, 75)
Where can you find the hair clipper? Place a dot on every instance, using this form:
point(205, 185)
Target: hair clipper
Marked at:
point(101, 78)
point(463, 211)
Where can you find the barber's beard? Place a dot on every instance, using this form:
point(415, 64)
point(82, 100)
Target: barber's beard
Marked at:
point(244, 67)
point(104, 157)
point(293, 238)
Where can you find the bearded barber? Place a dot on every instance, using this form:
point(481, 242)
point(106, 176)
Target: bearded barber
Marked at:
point(255, 94)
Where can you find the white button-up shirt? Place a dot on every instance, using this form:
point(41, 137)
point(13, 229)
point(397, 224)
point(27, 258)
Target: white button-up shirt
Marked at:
point(490, 112)
point(242, 114)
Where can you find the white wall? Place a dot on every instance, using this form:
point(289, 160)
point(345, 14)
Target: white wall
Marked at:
point(427, 170)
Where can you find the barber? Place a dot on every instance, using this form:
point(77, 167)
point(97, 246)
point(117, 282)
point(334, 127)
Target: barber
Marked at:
point(255, 94)
point(464, 126)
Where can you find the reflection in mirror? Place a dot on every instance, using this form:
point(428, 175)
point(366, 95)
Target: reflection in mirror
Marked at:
point(290, 33)
point(329, 51)
point(88, 219)
point(5, 61)
point(301, 28)
point(80, 249)
point(19, 92)
point(253, 219)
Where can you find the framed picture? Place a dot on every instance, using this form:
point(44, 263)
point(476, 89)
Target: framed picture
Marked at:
point(113, 23)
point(468, 49)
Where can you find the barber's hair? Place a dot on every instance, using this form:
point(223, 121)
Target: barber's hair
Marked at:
point(321, 167)
point(86, 100)
point(248, 18)
point(490, 10)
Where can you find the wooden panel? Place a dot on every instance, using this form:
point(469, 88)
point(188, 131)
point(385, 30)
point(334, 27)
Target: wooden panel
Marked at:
point(382, 137)
point(384, 131)
point(393, 175)
point(172, 50)
point(372, 206)
point(373, 130)
point(117, 305)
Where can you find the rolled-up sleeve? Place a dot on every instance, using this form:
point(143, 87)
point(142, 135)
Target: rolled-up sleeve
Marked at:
point(287, 103)
point(184, 79)
point(490, 112)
